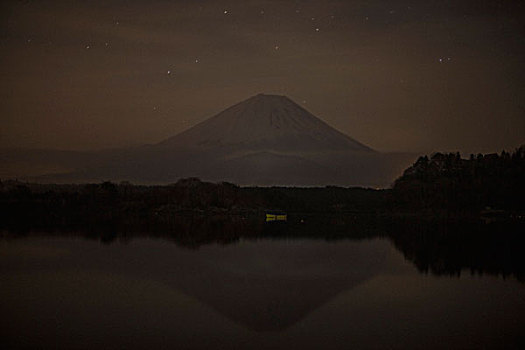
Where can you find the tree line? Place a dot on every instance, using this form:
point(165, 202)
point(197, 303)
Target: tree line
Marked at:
point(491, 181)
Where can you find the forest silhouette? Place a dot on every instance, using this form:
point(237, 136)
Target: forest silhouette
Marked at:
point(446, 214)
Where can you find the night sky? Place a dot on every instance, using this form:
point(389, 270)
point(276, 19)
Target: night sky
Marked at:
point(396, 75)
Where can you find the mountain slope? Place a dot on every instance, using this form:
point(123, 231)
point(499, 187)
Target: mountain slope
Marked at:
point(264, 140)
point(269, 123)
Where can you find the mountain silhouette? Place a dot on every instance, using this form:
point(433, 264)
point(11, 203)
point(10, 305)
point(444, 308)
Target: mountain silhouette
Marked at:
point(266, 123)
point(264, 140)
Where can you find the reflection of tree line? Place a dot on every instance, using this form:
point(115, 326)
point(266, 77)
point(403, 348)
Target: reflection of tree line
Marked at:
point(447, 248)
point(436, 246)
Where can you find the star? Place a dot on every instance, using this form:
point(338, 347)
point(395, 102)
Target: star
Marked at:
point(276, 47)
point(225, 12)
point(169, 72)
point(196, 60)
point(88, 47)
point(316, 29)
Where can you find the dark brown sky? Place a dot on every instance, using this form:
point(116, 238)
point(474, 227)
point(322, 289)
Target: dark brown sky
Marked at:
point(396, 75)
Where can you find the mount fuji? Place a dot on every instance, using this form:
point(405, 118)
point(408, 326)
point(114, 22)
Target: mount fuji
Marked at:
point(266, 140)
point(266, 123)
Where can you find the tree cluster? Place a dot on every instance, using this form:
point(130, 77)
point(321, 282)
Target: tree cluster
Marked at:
point(451, 182)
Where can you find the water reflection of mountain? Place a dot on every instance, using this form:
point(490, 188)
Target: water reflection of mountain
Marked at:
point(274, 275)
point(264, 285)
point(270, 285)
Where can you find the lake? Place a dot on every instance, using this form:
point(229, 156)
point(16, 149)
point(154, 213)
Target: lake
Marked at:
point(70, 290)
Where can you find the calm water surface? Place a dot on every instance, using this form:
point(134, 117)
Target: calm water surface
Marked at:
point(69, 292)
